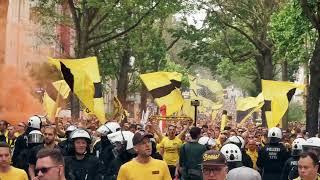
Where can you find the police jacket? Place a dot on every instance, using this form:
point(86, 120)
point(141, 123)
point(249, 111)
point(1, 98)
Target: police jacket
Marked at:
point(88, 168)
point(290, 169)
point(66, 147)
point(115, 164)
point(271, 159)
point(103, 151)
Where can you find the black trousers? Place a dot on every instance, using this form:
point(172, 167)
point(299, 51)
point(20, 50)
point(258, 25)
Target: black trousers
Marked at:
point(172, 170)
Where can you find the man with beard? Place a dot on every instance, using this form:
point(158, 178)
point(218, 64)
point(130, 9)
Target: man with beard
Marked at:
point(143, 166)
point(49, 143)
point(7, 171)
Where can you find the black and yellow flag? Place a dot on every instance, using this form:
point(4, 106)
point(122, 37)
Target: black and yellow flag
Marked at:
point(83, 78)
point(247, 106)
point(277, 95)
point(208, 92)
point(164, 88)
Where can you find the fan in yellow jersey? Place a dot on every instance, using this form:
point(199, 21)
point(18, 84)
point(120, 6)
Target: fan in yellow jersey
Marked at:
point(8, 172)
point(169, 147)
point(143, 166)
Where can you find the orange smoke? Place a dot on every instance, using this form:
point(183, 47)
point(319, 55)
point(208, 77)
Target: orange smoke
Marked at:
point(17, 103)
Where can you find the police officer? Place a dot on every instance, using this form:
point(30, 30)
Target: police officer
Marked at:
point(312, 144)
point(21, 145)
point(103, 148)
point(207, 141)
point(290, 169)
point(233, 155)
point(82, 166)
point(66, 145)
point(272, 156)
point(123, 152)
point(239, 141)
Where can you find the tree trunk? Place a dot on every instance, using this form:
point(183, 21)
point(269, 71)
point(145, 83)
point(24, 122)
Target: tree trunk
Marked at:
point(284, 77)
point(4, 4)
point(265, 70)
point(268, 66)
point(81, 52)
point(122, 85)
point(314, 91)
point(143, 96)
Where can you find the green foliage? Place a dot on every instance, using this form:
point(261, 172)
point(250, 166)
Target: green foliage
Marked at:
point(241, 75)
point(173, 67)
point(293, 37)
point(296, 112)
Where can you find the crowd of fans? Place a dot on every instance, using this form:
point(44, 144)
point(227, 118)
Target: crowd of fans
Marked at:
point(84, 150)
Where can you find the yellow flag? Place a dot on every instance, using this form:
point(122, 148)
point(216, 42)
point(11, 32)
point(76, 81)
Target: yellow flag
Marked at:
point(187, 109)
point(224, 121)
point(64, 88)
point(118, 110)
point(164, 88)
point(277, 95)
point(243, 104)
point(49, 106)
point(208, 92)
point(83, 78)
point(247, 106)
point(214, 87)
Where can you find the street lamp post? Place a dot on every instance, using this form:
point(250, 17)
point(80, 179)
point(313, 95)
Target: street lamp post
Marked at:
point(195, 103)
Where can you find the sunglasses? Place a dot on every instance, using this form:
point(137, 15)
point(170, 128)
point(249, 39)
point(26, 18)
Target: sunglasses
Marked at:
point(44, 170)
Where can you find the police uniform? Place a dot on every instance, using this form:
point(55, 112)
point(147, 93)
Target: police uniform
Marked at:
point(88, 168)
point(290, 169)
point(271, 159)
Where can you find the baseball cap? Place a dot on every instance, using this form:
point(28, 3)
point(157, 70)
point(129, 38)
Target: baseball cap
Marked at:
point(213, 158)
point(243, 173)
point(139, 136)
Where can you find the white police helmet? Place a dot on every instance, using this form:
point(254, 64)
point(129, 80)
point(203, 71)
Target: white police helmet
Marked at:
point(103, 130)
point(275, 132)
point(312, 144)
point(297, 146)
point(237, 140)
point(122, 137)
point(35, 136)
point(71, 128)
point(232, 153)
point(80, 133)
point(207, 141)
point(112, 127)
point(34, 122)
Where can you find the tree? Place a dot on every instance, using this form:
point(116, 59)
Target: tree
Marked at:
point(242, 30)
point(311, 10)
point(97, 22)
point(293, 39)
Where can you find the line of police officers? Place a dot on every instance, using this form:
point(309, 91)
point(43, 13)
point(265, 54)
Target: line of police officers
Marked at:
point(115, 148)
